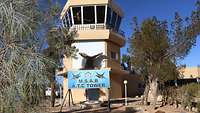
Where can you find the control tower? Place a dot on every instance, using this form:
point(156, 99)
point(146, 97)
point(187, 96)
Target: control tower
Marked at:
point(97, 23)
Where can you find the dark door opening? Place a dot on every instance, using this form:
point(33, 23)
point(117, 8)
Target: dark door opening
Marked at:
point(92, 94)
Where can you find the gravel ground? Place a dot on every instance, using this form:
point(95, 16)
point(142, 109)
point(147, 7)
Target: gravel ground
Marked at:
point(133, 107)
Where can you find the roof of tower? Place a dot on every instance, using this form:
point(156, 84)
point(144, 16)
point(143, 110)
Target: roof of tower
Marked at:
point(111, 3)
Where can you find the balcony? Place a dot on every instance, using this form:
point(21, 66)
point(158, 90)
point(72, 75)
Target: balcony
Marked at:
point(85, 27)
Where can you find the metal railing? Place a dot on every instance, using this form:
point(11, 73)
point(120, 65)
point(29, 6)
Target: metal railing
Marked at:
point(96, 27)
point(89, 27)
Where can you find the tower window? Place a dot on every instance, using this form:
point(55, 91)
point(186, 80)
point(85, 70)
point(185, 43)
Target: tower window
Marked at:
point(69, 17)
point(114, 16)
point(77, 15)
point(88, 15)
point(114, 55)
point(100, 14)
point(108, 16)
point(66, 22)
point(118, 23)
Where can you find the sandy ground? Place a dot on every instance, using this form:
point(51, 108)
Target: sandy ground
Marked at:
point(165, 109)
point(133, 107)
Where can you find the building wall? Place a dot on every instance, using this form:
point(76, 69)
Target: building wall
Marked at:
point(116, 90)
point(100, 34)
point(111, 47)
point(114, 48)
point(134, 86)
point(189, 72)
point(117, 75)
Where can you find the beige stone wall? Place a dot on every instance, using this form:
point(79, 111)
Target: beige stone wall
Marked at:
point(77, 94)
point(104, 35)
point(111, 47)
point(133, 86)
point(92, 35)
point(116, 87)
point(117, 38)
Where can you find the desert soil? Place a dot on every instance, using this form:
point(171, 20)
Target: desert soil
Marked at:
point(133, 107)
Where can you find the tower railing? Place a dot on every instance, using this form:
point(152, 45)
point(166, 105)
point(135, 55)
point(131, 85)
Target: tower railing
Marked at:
point(89, 27)
point(96, 27)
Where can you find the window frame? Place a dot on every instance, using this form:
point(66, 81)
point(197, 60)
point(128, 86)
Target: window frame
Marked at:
point(108, 16)
point(118, 22)
point(93, 20)
point(99, 10)
point(113, 19)
point(69, 17)
point(114, 55)
point(76, 21)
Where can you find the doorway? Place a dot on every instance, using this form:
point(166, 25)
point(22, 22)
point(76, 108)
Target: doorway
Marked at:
point(92, 94)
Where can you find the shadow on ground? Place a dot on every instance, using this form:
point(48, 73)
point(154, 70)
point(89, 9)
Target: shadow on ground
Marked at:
point(115, 109)
point(119, 109)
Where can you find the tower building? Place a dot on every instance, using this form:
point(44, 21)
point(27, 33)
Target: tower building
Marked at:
point(97, 23)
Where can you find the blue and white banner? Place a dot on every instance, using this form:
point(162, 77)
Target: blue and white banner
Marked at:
point(89, 79)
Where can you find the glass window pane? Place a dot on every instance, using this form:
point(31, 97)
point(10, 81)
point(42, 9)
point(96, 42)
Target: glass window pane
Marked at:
point(66, 21)
point(114, 16)
point(118, 23)
point(70, 17)
point(77, 15)
point(100, 14)
point(108, 16)
point(88, 15)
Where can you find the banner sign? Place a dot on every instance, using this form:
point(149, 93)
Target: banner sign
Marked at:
point(89, 79)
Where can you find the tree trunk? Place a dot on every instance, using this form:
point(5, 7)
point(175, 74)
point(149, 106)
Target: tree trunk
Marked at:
point(154, 91)
point(53, 95)
point(165, 95)
point(146, 93)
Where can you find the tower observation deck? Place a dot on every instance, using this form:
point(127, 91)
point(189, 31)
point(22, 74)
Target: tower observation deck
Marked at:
point(83, 15)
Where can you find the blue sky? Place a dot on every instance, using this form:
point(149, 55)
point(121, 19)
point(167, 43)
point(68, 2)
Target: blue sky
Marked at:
point(162, 9)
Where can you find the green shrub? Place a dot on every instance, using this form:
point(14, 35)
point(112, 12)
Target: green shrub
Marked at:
point(191, 89)
point(189, 93)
